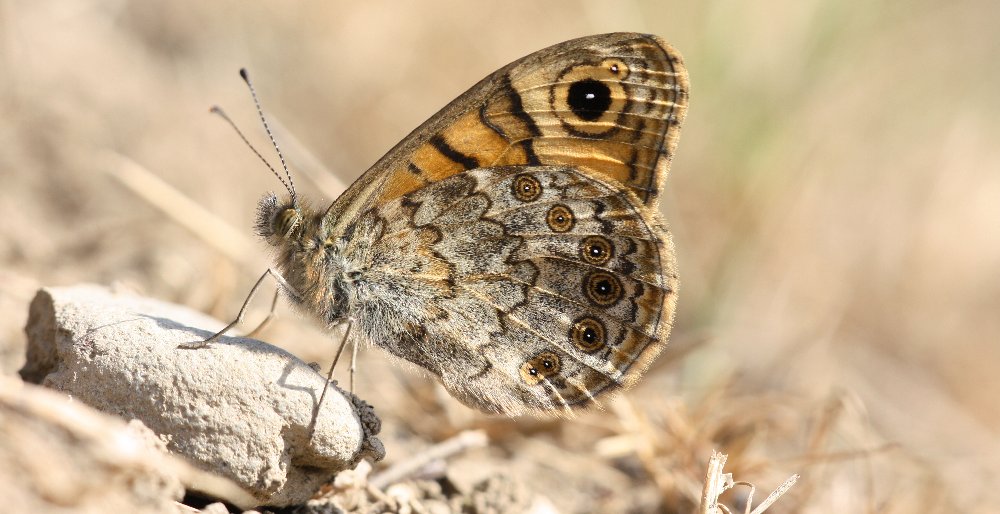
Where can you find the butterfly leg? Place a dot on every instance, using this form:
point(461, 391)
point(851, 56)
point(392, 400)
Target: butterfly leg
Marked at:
point(239, 317)
point(329, 376)
point(270, 315)
point(340, 350)
point(354, 363)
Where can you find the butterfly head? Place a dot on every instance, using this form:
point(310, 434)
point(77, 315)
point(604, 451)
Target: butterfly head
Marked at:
point(306, 256)
point(278, 221)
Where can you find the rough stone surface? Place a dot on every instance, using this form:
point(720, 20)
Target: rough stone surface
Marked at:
point(57, 455)
point(238, 407)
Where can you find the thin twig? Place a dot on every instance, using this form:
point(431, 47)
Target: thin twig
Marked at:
point(457, 444)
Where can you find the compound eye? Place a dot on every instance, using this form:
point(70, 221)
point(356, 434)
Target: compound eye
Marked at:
point(287, 222)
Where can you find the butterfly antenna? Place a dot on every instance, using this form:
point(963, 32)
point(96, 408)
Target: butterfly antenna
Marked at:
point(290, 186)
point(218, 110)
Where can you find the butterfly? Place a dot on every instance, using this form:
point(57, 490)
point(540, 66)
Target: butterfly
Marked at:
point(511, 244)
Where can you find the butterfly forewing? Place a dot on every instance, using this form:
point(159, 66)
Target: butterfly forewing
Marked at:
point(610, 104)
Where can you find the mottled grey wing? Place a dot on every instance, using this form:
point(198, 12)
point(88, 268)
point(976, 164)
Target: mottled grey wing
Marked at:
point(523, 288)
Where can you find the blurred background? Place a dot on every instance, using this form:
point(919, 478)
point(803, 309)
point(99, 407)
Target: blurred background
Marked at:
point(835, 202)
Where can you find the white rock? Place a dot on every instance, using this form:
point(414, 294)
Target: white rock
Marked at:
point(238, 407)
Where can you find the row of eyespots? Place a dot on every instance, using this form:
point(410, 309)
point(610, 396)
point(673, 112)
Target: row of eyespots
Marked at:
point(588, 99)
point(540, 367)
point(587, 334)
point(527, 188)
point(595, 249)
point(600, 287)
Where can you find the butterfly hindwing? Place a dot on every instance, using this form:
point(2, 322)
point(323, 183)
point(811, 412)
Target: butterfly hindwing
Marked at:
point(513, 307)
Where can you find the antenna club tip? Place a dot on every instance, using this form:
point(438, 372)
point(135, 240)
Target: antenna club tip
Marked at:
point(244, 74)
point(215, 109)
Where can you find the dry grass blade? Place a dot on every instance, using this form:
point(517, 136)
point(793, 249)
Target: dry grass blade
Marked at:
point(773, 497)
point(179, 207)
point(717, 482)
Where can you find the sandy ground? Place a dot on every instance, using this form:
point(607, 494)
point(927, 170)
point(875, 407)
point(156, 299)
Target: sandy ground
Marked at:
point(835, 201)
